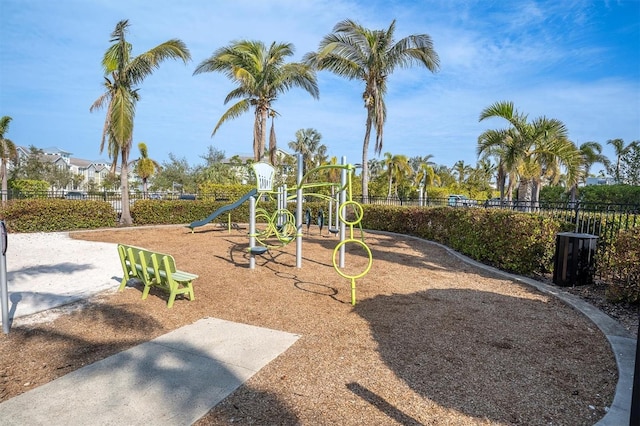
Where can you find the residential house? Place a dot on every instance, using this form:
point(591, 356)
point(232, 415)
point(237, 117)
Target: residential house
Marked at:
point(88, 174)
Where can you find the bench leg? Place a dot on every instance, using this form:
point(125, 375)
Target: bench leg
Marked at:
point(176, 290)
point(123, 283)
point(145, 292)
point(192, 296)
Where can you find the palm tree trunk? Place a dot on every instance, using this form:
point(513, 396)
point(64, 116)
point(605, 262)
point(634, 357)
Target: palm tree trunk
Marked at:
point(3, 170)
point(272, 143)
point(500, 181)
point(536, 184)
point(263, 131)
point(125, 216)
point(259, 135)
point(573, 195)
point(365, 164)
point(524, 192)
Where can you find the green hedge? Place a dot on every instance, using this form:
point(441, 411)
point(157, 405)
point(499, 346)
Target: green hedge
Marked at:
point(51, 215)
point(511, 241)
point(624, 267)
point(164, 212)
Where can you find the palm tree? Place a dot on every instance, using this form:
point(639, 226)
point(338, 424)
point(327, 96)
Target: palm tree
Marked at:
point(398, 168)
point(261, 75)
point(123, 74)
point(533, 150)
point(8, 152)
point(552, 151)
point(481, 176)
point(376, 168)
point(308, 144)
point(417, 161)
point(355, 52)
point(591, 153)
point(426, 177)
point(500, 146)
point(445, 175)
point(462, 171)
point(620, 150)
point(145, 167)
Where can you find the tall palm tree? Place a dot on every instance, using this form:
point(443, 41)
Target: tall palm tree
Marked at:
point(145, 167)
point(620, 150)
point(358, 53)
point(123, 73)
point(261, 75)
point(8, 152)
point(592, 154)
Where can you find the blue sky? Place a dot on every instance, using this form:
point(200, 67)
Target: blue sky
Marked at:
point(576, 61)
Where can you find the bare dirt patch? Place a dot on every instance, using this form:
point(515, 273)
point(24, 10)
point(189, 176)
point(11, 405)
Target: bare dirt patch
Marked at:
point(431, 340)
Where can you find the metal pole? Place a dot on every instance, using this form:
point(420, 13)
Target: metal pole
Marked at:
point(343, 199)
point(252, 231)
point(333, 190)
point(3, 279)
point(299, 213)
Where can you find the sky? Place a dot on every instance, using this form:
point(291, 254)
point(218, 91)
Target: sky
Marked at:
point(577, 61)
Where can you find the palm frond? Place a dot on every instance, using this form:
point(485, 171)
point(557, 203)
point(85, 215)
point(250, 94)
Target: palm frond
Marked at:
point(235, 111)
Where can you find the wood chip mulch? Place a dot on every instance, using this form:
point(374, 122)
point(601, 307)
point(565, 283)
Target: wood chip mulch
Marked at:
point(430, 341)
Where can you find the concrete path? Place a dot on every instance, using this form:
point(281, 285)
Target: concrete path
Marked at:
point(172, 380)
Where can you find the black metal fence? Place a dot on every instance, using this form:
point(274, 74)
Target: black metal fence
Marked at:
point(112, 197)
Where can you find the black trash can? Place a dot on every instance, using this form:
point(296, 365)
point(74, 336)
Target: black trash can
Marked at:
point(574, 261)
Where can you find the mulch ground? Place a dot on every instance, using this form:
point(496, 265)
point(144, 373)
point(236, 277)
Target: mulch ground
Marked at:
point(431, 339)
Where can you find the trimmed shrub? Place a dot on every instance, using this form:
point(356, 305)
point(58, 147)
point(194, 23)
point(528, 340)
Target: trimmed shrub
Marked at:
point(512, 241)
point(52, 215)
point(624, 267)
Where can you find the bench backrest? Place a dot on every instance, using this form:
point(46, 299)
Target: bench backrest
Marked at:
point(145, 264)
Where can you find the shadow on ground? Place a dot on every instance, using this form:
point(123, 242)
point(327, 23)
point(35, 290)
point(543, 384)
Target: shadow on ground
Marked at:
point(466, 358)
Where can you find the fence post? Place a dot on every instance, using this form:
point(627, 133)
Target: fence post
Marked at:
point(577, 214)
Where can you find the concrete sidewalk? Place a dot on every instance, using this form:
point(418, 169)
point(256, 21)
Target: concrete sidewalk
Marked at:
point(174, 379)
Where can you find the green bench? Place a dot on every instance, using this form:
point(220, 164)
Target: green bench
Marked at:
point(154, 269)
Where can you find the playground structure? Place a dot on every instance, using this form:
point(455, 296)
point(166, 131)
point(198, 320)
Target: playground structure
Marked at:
point(283, 227)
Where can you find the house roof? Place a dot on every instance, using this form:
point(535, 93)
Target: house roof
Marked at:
point(54, 150)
